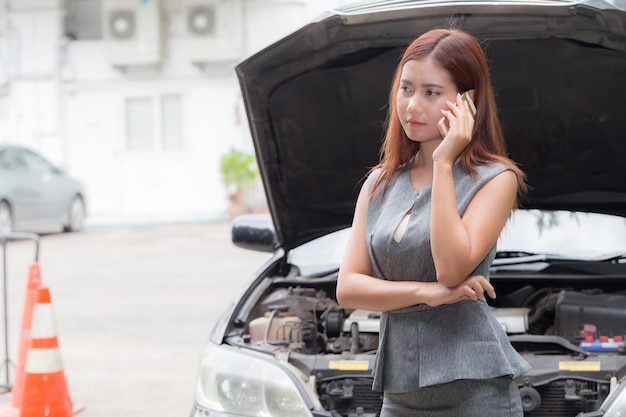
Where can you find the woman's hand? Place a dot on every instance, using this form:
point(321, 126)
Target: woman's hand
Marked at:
point(459, 135)
point(473, 288)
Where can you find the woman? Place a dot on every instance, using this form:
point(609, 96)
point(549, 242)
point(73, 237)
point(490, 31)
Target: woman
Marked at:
point(423, 237)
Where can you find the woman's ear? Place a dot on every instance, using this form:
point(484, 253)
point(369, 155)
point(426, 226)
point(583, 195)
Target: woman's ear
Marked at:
point(472, 93)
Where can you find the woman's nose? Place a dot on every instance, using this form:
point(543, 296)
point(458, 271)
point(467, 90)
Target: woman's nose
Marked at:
point(414, 105)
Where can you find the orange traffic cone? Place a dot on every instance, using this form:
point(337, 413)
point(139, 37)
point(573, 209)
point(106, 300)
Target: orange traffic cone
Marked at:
point(32, 287)
point(45, 387)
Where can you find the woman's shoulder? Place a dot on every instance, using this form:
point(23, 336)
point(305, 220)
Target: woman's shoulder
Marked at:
point(374, 173)
point(488, 169)
point(483, 173)
point(389, 179)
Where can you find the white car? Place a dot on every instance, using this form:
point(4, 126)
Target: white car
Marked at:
point(36, 196)
point(316, 103)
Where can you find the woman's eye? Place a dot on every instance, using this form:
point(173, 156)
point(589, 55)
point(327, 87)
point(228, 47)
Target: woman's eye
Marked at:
point(405, 88)
point(432, 93)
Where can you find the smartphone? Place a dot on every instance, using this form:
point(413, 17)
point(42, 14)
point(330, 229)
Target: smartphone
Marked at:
point(443, 126)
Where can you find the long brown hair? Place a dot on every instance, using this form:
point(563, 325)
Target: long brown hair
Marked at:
point(461, 55)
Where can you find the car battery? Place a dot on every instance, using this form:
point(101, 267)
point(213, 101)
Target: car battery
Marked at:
point(574, 310)
point(603, 344)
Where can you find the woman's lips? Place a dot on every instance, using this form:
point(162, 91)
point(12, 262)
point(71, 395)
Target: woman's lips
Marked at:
point(415, 123)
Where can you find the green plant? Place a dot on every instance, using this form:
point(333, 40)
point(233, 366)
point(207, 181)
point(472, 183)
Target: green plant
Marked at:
point(239, 170)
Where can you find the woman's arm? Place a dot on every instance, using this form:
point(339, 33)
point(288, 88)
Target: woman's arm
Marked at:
point(356, 288)
point(460, 244)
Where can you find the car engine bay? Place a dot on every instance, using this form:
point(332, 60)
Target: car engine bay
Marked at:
point(573, 336)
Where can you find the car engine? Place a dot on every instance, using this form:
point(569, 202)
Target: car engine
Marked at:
point(573, 338)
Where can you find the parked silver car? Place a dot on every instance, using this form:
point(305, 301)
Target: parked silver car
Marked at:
point(316, 102)
point(35, 195)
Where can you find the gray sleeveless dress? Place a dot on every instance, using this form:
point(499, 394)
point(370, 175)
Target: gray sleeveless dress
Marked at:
point(436, 361)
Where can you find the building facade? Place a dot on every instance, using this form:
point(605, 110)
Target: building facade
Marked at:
point(137, 98)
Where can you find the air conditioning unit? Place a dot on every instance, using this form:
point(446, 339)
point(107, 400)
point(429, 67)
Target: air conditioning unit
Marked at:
point(132, 31)
point(213, 30)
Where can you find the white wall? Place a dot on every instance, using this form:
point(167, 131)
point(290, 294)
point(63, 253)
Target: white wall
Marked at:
point(66, 100)
point(28, 67)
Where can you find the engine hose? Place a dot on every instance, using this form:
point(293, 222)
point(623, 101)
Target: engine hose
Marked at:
point(267, 330)
point(548, 303)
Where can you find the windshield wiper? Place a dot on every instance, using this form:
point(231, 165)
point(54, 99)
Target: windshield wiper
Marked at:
point(522, 257)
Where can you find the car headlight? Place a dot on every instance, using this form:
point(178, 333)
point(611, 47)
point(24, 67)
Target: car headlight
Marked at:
point(239, 383)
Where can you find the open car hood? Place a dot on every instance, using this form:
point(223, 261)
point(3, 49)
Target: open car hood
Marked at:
point(316, 102)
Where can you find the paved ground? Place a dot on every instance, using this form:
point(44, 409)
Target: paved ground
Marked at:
point(133, 308)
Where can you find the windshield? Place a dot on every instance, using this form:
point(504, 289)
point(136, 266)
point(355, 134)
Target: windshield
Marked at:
point(578, 235)
point(324, 252)
point(564, 233)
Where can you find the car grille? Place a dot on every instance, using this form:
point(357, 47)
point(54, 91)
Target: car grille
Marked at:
point(354, 397)
point(554, 403)
point(351, 397)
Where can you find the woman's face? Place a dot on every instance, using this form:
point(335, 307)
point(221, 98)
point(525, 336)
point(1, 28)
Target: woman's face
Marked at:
point(424, 89)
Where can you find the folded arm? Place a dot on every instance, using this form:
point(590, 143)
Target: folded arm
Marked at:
point(357, 288)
